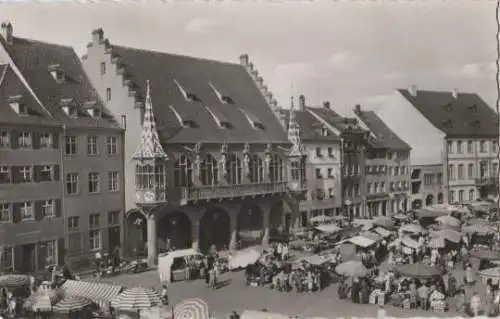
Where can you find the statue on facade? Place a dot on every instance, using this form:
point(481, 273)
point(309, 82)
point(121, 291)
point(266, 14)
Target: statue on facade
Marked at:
point(246, 159)
point(223, 159)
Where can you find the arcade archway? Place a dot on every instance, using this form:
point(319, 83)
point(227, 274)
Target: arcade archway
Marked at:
point(416, 204)
point(250, 224)
point(429, 200)
point(276, 219)
point(174, 232)
point(440, 198)
point(136, 234)
point(215, 229)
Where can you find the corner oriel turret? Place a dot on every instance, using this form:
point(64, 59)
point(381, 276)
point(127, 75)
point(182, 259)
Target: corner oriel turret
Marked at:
point(296, 154)
point(150, 160)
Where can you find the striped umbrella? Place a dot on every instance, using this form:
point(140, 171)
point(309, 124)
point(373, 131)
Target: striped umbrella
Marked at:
point(70, 304)
point(448, 220)
point(436, 242)
point(193, 308)
point(137, 299)
point(14, 281)
point(478, 229)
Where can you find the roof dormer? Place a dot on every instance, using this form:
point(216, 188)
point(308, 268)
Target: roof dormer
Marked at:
point(93, 109)
point(183, 122)
point(189, 96)
point(219, 118)
point(57, 73)
point(252, 119)
point(475, 124)
point(17, 104)
point(69, 107)
point(448, 123)
point(473, 108)
point(223, 97)
point(448, 107)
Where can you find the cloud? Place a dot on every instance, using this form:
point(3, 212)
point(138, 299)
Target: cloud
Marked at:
point(478, 70)
point(200, 26)
point(343, 60)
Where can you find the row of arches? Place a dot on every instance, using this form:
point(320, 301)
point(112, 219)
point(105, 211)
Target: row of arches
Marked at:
point(176, 230)
point(429, 200)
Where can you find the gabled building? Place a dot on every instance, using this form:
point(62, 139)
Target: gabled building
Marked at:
point(60, 159)
point(387, 165)
point(457, 131)
point(323, 164)
point(225, 163)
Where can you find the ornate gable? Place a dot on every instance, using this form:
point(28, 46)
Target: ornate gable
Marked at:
point(294, 133)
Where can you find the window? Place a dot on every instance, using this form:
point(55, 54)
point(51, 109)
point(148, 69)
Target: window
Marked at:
point(112, 145)
point(320, 194)
point(396, 170)
point(73, 223)
point(439, 178)
point(92, 145)
point(113, 182)
point(276, 168)
point(470, 148)
point(483, 148)
point(4, 175)
point(428, 179)
point(27, 211)
point(330, 152)
point(46, 173)
point(94, 220)
point(318, 152)
point(324, 131)
point(150, 177)
point(452, 196)
point(5, 212)
point(72, 183)
point(114, 218)
point(209, 170)
point(95, 239)
point(24, 140)
point(450, 147)
point(183, 172)
point(357, 190)
point(331, 193)
point(318, 173)
point(483, 169)
point(103, 68)
point(7, 260)
point(48, 253)
point(451, 172)
point(108, 94)
point(369, 188)
point(460, 173)
point(461, 196)
point(494, 146)
point(25, 174)
point(471, 194)
point(4, 139)
point(46, 140)
point(70, 147)
point(94, 182)
point(234, 170)
point(297, 172)
point(494, 170)
point(470, 171)
point(460, 149)
point(48, 208)
point(330, 173)
point(391, 171)
point(375, 187)
point(256, 169)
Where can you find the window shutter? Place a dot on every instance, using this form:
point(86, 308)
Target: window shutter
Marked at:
point(14, 170)
point(14, 135)
point(35, 138)
point(38, 210)
point(61, 252)
point(16, 212)
point(37, 170)
point(55, 139)
point(57, 173)
point(58, 208)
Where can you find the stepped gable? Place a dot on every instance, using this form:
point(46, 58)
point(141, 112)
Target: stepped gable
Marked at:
point(197, 100)
point(39, 63)
point(456, 114)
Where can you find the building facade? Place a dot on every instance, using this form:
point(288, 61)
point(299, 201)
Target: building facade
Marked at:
point(387, 165)
point(455, 131)
point(60, 159)
point(221, 165)
point(323, 165)
point(426, 185)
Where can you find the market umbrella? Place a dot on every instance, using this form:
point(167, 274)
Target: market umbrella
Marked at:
point(493, 273)
point(352, 268)
point(412, 228)
point(410, 242)
point(400, 217)
point(70, 304)
point(322, 219)
point(477, 221)
point(14, 281)
point(156, 313)
point(484, 253)
point(448, 220)
point(478, 229)
point(136, 299)
point(366, 223)
point(192, 308)
point(448, 234)
point(243, 258)
point(436, 242)
point(383, 221)
point(417, 270)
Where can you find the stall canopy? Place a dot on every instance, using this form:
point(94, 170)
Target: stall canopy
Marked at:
point(249, 314)
point(322, 219)
point(408, 241)
point(243, 258)
point(328, 228)
point(361, 241)
point(412, 228)
point(316, 260)
point(448, 234)
point(382, 232)
point(371, 235)
point(97, 292)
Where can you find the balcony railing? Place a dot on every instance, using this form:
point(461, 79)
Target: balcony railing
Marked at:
point(155, 195)
point(486, 181)
point(202, 193)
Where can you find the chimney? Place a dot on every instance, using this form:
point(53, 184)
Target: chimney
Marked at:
point(357, 109)
point(413, 90)
point(7, 32)
point(326, 104)
point(97, 36)
point(302, 103)
point(244, 59)
point(454, 93)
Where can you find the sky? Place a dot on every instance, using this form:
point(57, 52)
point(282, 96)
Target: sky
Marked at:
point(346, 52)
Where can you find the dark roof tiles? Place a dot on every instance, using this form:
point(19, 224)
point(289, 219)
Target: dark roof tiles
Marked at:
point(311, 127)
point(385, 137)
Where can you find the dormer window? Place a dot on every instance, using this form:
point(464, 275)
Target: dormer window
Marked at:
point(224, 98)
point(219, 118)
point(448, 123)
point(70, 111)
point(17, 105)
point(182, 122)
point(448, 107)
point(476, 124)
point(252, 119)
point(189, 96)
point(324, 131)
point(473, 108)
point(57, 73)
point(94, 112)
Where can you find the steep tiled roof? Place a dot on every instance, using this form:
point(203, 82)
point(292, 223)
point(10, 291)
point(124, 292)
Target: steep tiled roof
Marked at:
point(206, 82)
point(385, 137)
point(310, 126)
point(34, 58)
point(467, 114)
point(12, 86)
point(336, 120)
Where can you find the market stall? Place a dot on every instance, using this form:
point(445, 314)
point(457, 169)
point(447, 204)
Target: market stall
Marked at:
point(179, 265)
point(99, 293)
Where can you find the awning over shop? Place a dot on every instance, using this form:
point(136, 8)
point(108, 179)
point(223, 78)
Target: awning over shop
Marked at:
point(362, 241)
point(94, 291)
